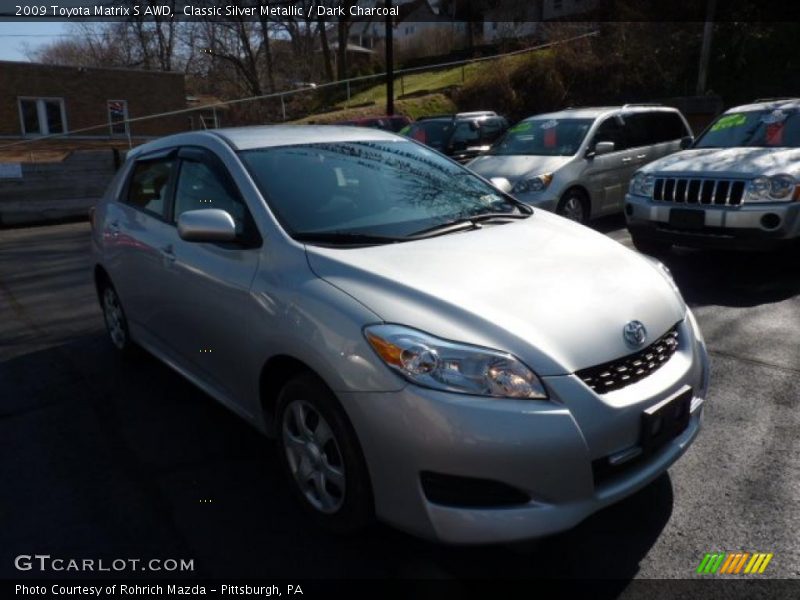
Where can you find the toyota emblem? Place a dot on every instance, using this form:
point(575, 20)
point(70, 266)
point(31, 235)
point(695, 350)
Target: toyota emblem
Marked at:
point(634, 333)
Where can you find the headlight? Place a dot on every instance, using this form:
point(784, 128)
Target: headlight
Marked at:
point(642, 185)
point(533, 184)
point(778, 188)
point(435, 363)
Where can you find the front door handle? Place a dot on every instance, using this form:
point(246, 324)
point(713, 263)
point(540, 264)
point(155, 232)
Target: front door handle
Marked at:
point(627, 159)
point(168, 253)
point(641, 156)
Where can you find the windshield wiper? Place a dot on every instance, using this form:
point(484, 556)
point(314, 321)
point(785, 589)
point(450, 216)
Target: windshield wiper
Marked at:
point(346, 237)
point(472, 222)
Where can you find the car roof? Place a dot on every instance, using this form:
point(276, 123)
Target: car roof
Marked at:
point(248, 138)
point(593, 112)
point(266, 136)
point(476, 115)
point(767, 104)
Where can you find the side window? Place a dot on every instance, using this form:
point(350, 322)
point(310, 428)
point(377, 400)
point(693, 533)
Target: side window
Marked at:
point(610, 130)
point(665, 127)
point(149, 186)
point(202, 186)
point(675, 126)
point(640, 130)
point(466, 133)
point(491, 130)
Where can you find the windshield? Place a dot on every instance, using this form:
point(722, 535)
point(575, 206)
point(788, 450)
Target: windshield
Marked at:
point(763, 128)
point(432, 133)
point(544, 137)
point(380, 189)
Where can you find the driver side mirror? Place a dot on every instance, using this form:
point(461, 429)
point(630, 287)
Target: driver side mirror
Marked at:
point(601, 148)
point(687, 141)
point(207, 225)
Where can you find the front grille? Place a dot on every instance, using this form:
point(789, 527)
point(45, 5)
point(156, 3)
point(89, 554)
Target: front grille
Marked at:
point(617, 374)
point(686, 190)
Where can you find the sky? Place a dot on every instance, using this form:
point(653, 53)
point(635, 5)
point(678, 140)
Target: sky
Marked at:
point(13, 36)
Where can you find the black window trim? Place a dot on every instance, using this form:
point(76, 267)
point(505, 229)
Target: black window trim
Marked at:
point(159, 155)
point(251, 236)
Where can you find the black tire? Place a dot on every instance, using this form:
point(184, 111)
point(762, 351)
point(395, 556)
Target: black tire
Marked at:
point(344, 508)
point(650, 246)
point(116, 322)
point(574, 205)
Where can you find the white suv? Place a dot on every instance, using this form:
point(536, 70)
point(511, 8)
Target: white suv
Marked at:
point(738, 186)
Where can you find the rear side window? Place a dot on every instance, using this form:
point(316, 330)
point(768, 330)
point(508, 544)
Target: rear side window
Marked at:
point(150, 185)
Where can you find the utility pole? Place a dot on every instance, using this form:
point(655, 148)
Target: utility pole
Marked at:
point(389, 43)
point(705, 51)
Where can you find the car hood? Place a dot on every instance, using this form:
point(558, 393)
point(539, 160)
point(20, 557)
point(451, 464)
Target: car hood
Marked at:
point(733, 162)
point(516, 167)
point(553, 293)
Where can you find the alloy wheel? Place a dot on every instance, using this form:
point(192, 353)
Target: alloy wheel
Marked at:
point(115, 318)
point(314, 456)
point(572, 209)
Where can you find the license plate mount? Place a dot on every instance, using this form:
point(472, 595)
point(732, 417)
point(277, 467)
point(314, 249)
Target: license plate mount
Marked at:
point(687, 218)
point(664, 421)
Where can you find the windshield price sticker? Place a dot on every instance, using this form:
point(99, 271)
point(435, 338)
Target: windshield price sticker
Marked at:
point(730, 121)
point(519, 127)
point(549, 124)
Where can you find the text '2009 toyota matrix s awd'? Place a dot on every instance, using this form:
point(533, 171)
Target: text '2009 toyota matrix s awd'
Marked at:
point(425, 348)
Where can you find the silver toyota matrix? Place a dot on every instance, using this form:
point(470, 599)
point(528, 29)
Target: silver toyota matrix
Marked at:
point(426, 349)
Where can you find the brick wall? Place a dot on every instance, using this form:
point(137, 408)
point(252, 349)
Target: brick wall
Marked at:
point(85, 92)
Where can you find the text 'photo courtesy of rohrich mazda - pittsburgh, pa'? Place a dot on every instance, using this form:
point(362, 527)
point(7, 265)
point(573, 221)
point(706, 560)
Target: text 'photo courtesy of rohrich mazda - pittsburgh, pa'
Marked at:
point(380, 299)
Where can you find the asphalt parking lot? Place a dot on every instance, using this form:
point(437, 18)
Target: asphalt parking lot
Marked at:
point(106, 458)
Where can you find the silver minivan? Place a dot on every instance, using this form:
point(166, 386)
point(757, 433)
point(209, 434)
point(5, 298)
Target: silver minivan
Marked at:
point(578, 162)
point(425, 348)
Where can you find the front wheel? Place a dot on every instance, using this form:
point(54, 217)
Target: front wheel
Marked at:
point(574, 206)
point(116, 322)
point(322, 457)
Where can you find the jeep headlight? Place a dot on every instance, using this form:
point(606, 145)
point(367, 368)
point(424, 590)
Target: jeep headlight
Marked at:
point(449, 366)
point(539, 183)
point(778, 188)
point(642, 184)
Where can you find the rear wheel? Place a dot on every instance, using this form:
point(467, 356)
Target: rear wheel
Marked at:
point(574, 206)
point(322, 457)
point(650, 246)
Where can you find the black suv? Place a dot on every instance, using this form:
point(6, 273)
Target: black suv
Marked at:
point(462, 136)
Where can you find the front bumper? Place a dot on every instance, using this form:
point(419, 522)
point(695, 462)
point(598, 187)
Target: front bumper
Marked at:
point(545, 449)
point(748, 226)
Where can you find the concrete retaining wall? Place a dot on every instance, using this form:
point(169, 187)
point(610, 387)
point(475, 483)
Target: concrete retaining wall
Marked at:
point(56, 190)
